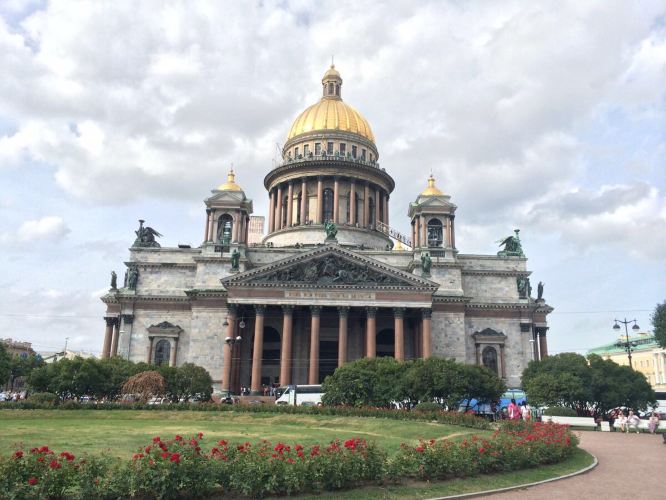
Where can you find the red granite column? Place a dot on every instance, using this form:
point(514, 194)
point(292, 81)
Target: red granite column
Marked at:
point(271, 211)
point(290, 204)
point(320, 200)
point(108, 333)
point(149, 354)
point(226, 367)
point(343, 313)
point(206, 231)
point(427, 341)
point(366, 205)
point(116, 335)
point(285, 352)
point(352, 203)
point(543, 343)
point(371, 332)
point(174, 352)
point(278, 209)
point(304, 200)
point(211, 225)
point(399, 316)
point(336, 200)
point(313, 373)
point(258, 352)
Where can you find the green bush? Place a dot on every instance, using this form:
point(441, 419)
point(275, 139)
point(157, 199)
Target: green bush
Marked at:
point(428, 407)
point(560, 411)
point(45, 398)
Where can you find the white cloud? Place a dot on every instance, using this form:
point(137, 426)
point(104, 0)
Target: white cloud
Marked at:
point(50, 228)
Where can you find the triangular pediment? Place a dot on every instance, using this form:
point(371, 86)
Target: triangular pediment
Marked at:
point(330, 266)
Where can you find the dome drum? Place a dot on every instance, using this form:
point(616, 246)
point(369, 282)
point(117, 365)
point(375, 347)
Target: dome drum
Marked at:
point(312, 236)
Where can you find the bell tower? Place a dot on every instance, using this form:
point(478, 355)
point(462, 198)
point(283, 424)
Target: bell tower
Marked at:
point(432, 216)
point(228, 213)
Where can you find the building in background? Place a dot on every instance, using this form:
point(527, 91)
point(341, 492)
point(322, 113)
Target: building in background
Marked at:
point(17, 348)
point(53, 356)
point(646, 355)
point(256, 229)
point(331, 281)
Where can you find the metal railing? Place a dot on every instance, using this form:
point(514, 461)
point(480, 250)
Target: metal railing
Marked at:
point(326, 157)
point(393, 233)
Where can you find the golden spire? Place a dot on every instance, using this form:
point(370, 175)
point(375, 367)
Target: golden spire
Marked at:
point(431, 190)
point(230, 185)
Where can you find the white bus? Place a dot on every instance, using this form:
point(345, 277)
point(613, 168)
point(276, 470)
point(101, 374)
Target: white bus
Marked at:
point(299, 395)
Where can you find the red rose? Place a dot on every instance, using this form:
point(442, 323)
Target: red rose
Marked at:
point(156, 439)
point(33, 481)
point(482, 451)
point(40, 459)
point(175, 458)
point(43, 449)
point(222, 442)
point(298, 447)
point(193, 442)
point(419, 449)
point(165, 454)
point(55, 464)
point(18, 454)
point(200, 435)
point(179, 438)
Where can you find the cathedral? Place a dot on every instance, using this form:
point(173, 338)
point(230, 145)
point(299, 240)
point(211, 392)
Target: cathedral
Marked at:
point(331, 282)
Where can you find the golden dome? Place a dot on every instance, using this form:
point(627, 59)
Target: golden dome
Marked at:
point(230, 185)
point(331, 113)
point(431, 190)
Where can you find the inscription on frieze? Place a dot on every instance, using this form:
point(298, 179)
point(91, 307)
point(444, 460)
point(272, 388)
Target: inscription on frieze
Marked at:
point(302, 294)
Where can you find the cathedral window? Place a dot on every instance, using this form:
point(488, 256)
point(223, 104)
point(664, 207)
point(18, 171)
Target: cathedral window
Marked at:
point(435, 233)
point(285, 201)
point(329, 148)
point(354, 151)
point(162, 352)
point(328, 204)
point(337, 90)
point(343, 148)
point(296, 152)
point(306, 150)
point(363, 154)
point(317, 149)
point(330, 88)
point(489, 358)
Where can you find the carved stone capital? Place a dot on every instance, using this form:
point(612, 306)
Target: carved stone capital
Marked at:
point(287, 310)
point(315, 310)
point(259, 309)
point(399, 312)
point(232, 309)
point(208, 211)
point(526, 327)
point(371, 312)
point(426, 313)
point(110, 320)
point(343, 310)
point(128, 319)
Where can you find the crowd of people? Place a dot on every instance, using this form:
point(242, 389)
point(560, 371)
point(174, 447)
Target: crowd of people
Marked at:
point(12, 396)
point(629, 421)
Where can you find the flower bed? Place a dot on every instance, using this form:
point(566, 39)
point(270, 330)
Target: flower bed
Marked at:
point(181, 468)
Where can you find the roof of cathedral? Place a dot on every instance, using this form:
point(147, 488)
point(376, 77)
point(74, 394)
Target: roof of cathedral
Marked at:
point(431, 190)
point(331, 113)
point(230, 185)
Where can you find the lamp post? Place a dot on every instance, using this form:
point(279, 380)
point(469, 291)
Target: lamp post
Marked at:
point(231, 342)
point(628, 346)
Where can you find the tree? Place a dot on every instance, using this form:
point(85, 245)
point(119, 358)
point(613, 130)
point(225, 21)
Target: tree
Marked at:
point(589, 386)
point(365, 382)
point(145, 385)
point(659, 323)
point(5, 368)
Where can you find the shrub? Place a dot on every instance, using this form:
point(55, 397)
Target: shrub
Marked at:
point(560, 411)
point(45, 398)
point(428, 407)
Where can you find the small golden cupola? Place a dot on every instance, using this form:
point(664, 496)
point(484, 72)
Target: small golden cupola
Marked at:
point(332, 82)
point(230, 185)
point(432, 190)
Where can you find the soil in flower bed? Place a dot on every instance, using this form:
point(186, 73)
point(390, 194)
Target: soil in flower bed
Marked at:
point(120, 432)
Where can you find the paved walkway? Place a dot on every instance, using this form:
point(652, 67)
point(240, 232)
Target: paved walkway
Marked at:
point(630, 466)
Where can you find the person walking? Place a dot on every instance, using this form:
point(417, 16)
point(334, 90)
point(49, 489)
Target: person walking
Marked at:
point(514, 410)
point(653, 423)
point(633, 422)
point(525, 411)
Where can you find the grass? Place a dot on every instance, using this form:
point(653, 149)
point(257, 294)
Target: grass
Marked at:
point(414, 490)
point(121, 432)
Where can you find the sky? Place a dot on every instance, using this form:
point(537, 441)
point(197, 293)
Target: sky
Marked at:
point(544, 116)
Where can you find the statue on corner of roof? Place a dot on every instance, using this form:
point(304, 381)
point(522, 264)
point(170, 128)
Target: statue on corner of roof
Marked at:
point(145, 237)
point(331, 230)
point(512, 246)
point(114, 280)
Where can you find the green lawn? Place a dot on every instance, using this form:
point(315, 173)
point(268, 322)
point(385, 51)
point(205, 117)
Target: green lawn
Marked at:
point(121, 432)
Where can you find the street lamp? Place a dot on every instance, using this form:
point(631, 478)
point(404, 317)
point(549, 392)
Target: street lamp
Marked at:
point(626, 344)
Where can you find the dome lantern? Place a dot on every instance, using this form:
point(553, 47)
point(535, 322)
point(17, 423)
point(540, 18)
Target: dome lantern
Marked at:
point(332, 83)
point(230, 185)
point(431, 190)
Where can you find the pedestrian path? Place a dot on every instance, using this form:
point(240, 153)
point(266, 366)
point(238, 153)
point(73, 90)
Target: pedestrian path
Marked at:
point(630, 466)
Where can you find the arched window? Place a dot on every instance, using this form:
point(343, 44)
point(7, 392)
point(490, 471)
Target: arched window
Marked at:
point(162, 352)
point(435, 233)
point(489, 358)
point(328, 204)
point(386, 343)
point(330, 88)
point(224, 226)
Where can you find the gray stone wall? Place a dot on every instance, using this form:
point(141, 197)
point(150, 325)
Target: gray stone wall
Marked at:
point(485, 288)
point(448, 336)
point(165, 280)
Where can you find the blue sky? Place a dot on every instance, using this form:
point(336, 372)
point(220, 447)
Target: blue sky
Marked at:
point(548, 119)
